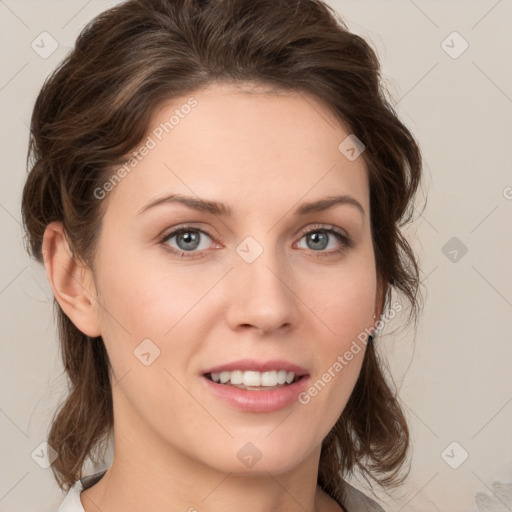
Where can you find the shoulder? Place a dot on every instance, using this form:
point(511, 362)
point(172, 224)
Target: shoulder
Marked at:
point(72, 501)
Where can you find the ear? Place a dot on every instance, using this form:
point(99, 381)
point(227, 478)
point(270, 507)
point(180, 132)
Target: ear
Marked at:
point(71, 280)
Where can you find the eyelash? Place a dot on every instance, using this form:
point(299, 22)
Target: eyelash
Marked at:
point(346, 241)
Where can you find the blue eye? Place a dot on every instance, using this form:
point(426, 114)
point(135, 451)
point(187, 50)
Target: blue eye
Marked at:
point(190, 242)
point(187, 239)
point(319, 238)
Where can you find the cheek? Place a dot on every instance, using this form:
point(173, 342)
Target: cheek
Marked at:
point(143, 312)
point(344, 305)
point(148, 299)
point(343, 299)
point(156, 309)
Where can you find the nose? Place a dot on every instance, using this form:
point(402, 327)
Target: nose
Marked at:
point(261, 295)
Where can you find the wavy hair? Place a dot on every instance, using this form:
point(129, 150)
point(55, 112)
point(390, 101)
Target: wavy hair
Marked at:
point(96, 107)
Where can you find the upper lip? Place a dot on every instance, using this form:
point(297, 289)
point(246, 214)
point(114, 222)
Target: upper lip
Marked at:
point(259, 366)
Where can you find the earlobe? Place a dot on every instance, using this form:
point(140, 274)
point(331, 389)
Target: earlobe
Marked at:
point(71, 280)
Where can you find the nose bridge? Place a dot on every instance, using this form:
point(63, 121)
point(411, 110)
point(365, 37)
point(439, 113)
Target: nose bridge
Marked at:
point(261, 288)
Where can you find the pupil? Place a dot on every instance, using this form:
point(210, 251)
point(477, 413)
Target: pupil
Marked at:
point(190, 239)
point(320, 239)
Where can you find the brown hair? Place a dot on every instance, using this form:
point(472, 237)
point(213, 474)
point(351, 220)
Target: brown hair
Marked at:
point(96, 107)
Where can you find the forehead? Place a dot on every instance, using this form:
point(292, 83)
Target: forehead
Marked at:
point(243, 142)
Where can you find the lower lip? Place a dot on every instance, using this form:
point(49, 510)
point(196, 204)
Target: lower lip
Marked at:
point(258, 401)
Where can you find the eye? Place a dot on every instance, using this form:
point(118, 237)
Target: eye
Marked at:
point(187, 241)
point(191, 242)
point(320, 238)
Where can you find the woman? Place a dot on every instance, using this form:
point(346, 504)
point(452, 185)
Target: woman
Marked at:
point(216, 192)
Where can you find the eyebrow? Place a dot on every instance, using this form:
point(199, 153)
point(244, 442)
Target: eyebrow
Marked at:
point(222, 210)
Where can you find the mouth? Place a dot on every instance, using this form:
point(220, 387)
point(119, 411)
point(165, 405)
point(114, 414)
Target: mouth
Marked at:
point(258, 387)
point(255, 380)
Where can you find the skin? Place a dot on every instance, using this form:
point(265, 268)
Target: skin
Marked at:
point(263, 154)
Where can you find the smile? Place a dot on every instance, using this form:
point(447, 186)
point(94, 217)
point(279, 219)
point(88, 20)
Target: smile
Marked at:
point(256, 386)
point(254, 379)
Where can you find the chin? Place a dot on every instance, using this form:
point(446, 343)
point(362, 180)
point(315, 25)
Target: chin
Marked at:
point(257, 457)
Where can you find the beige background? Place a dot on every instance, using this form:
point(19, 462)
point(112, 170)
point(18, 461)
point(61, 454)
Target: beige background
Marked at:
point(455, 374)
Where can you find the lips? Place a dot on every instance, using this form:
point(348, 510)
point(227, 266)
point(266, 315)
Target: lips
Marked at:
point(266, 395)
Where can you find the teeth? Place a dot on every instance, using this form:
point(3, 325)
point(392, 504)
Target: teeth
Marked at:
point(237, 377)
point(269, 378)
point(254, 379)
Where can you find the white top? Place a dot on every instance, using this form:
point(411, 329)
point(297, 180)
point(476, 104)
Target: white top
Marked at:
point(72, 501)
point(355, 500)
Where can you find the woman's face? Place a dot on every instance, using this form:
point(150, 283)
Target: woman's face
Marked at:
point(243, 289)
